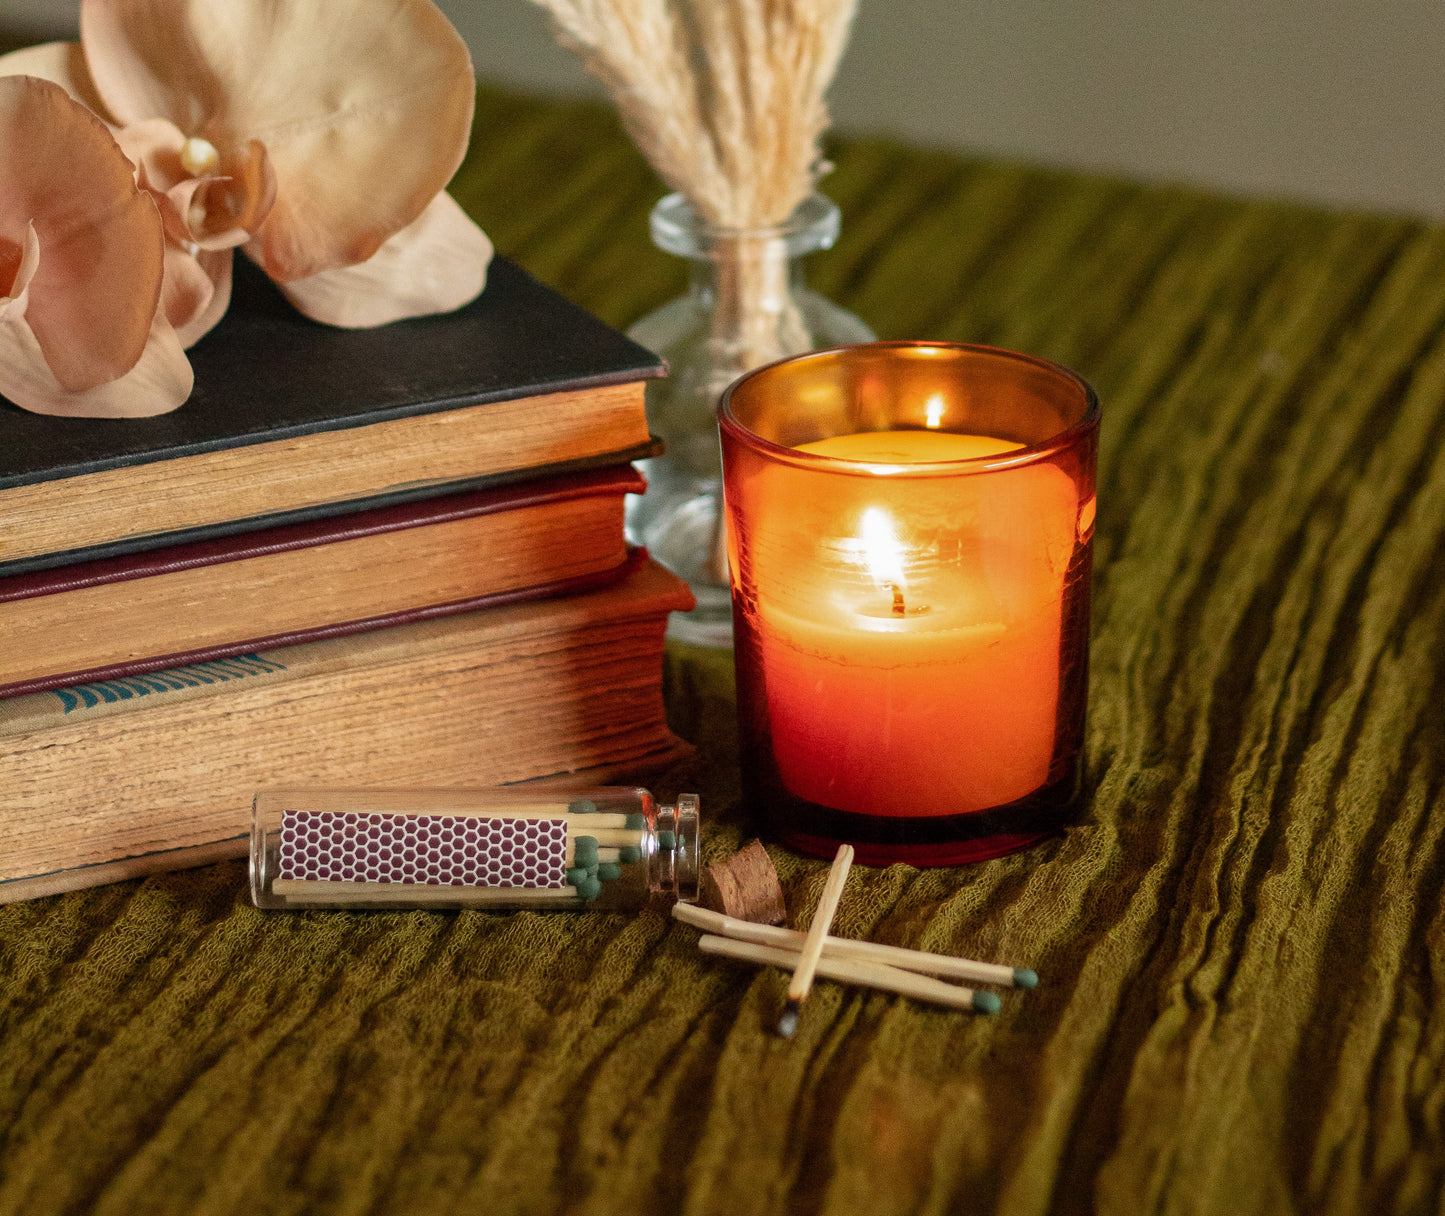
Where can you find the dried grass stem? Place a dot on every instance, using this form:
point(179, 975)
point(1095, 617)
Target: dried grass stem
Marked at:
point(723, 97)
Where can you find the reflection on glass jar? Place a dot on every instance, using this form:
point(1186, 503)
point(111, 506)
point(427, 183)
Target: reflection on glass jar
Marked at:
point(910, 536)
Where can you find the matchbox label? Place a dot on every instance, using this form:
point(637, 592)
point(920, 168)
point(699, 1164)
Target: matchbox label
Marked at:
point(436, 850)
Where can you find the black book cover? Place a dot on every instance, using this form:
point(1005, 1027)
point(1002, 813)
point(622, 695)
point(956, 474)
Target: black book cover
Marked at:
point(267, 373)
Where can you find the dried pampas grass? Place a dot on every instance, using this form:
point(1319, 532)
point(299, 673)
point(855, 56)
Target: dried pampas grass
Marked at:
point(723, 97)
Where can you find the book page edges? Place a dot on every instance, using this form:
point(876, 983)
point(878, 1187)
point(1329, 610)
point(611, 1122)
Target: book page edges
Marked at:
point(325, 467)
point(649, 590)
point(132, 784)
point(57, 882)
point(286, 596)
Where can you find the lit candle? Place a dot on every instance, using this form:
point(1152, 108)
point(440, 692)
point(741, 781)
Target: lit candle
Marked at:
point(910, 595)
point(919, 665)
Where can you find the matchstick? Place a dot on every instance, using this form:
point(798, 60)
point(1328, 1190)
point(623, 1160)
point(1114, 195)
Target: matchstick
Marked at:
point(867, 975)
point(606, 856)
point(842, 947)
point(589, 823)
point(622, 856)
point(302, 891)
point(605, 836)
point(811, 952)
point(587, 850)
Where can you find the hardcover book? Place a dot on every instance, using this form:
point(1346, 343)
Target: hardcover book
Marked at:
point(187, 603)
point(293, 420)
point(118, 778)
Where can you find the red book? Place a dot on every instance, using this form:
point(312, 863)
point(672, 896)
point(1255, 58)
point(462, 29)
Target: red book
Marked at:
point(303, 582)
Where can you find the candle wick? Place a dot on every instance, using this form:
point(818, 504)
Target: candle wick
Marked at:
point(898, 609)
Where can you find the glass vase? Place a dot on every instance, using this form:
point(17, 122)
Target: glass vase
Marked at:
point(745, 306)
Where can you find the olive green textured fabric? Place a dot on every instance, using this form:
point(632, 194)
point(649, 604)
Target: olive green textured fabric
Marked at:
point(1241, 943)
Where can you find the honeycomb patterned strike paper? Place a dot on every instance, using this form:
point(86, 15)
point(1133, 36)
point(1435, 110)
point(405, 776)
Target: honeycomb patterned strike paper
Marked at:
point(445, 850)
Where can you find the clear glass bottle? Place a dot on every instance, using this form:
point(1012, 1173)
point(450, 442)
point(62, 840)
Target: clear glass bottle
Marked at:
point(745, 306)
point(612, 848)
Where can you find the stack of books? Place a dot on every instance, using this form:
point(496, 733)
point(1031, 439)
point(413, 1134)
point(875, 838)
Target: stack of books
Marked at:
point(384, 557)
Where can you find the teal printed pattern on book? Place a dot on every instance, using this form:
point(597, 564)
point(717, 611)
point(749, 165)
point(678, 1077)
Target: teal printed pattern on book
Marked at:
point(217, 671)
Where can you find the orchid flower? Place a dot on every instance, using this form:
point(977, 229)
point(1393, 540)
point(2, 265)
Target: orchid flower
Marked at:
point(81, 266)
point(184, 181)
point(318, 142)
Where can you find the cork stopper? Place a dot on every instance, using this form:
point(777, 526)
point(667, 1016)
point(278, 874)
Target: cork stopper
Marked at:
point(745, 886)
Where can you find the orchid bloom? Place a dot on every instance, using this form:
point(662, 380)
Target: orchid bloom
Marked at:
point(81, 265)
point(320, 142)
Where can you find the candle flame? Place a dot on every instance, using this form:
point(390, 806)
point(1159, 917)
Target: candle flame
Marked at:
point(883, 552)
point(935, 407)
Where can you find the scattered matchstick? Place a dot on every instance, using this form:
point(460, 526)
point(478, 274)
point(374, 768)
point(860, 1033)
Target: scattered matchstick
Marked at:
point(847, 948)
point(847, 971)
point(806, 965)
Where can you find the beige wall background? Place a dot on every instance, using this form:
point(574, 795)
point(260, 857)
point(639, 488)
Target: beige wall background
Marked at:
point(1340, 102)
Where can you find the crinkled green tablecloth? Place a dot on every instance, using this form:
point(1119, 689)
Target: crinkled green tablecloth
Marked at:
point(1242, 942)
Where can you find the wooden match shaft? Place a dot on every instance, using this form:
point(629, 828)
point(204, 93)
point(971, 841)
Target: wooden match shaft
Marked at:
point(581, 824)
point(301, 891)
point(604, 853)
point(608, 836)
point(842, 947)
point(812, 948)
point(846, 971)
point(520, 810)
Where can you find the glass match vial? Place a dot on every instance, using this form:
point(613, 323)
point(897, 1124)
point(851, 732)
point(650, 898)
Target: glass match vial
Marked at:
point(609, 848)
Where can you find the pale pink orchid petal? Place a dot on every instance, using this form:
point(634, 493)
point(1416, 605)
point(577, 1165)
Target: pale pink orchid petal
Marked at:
point(187, 291)
point(160, 380)
point(176, 210)
point(154, 147)
point(364, 111)
point(234, 203)
point(197, 291)
point(205, 218)
point(61, 63)
point(17, 267)
point(216, 211)
point(437, 263)
point(95, 290)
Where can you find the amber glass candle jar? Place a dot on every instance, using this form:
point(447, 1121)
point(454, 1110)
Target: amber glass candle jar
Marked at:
point(910, 530)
